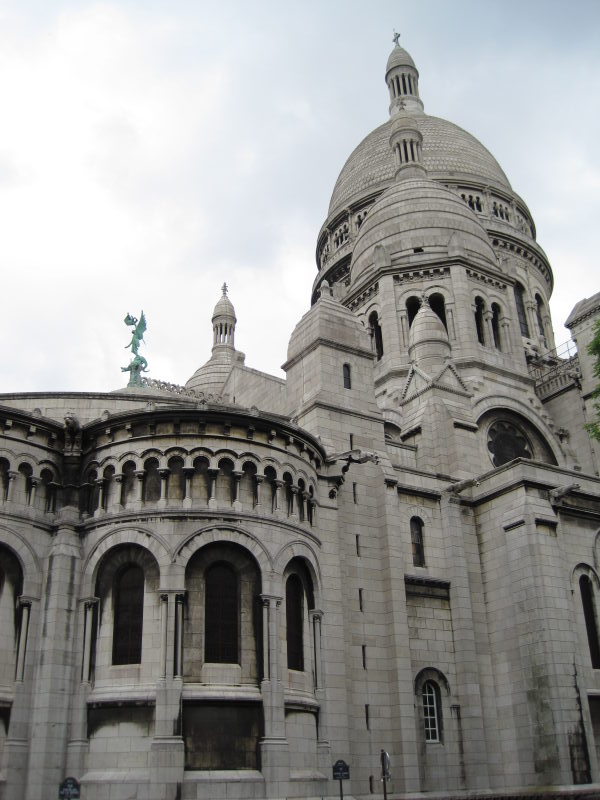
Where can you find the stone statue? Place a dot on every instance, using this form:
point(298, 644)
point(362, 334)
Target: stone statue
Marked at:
point(138, 363)
point(72, 432)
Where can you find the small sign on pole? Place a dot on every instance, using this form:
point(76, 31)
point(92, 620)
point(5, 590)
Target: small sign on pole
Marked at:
point(69, 789)
point(341, 772)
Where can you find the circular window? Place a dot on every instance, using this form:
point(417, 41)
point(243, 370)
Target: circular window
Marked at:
point(506, 442)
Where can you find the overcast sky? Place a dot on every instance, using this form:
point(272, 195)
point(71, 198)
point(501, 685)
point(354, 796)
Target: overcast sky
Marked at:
point(150, 151)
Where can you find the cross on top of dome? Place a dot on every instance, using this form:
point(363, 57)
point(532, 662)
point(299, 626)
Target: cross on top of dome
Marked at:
point(396, 38)
point(224, 288)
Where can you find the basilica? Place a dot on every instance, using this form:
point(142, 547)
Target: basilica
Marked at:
point(221, 589)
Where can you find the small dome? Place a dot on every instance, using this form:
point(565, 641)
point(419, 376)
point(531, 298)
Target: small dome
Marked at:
point(419, 215)
point(399, 58)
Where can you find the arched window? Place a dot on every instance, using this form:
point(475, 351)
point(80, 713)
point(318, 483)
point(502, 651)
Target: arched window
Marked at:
point(176, 485)
point(521, 314)
point(151, 487)
point(437, 305)
point(432, 711)
point(589, 614)
point(4, 470)
point(221, 615)
point(479, 308)
point(539, 310)
point(128, 595)
point(294, 619)
point(376, 334)
point(496, 325)
point(416, 538)
point(347, 379)
point(412, 306)
point(128, 483)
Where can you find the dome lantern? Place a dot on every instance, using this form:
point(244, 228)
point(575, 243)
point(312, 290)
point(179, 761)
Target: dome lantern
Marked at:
point(406, 141)
point(402, 78)
point(223, 320)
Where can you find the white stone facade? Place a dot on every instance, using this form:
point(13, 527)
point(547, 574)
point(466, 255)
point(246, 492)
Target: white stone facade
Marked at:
point(219, 591)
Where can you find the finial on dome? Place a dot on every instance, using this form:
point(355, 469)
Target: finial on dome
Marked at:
point(396, 38)
point(224, 289)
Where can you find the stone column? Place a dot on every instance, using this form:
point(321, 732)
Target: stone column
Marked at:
point(99, 510)
point(115, 504)
point(275, 759)
point(259, 480)
point(89, 612)
point(16, 745)
point(212, 499)
point(293, 494)
point(189, 474)
point(236, 503)
point(489, 332)
point(78, 744)
point(12, 476)
point(24, 605)
point(277, 502)
point(164, 621)
point(167, 752)
point(137, 503)
point(53, 692)
point(315, 617)
point(164, 477)
point(33, 484)
point(178, 658)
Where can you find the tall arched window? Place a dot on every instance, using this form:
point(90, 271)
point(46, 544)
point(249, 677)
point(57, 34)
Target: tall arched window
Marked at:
point(294, 619)
point(479, 308)
point(437, 305)
point(412, 306)
point(416, 538)
point(347, 378)
point(128, 483)
point(521, 314)
point(589, 614)
point(152, 482)
point(376, 334)
point(221, 615)
point(128, 615)
point(432, 710)
point(496, 325)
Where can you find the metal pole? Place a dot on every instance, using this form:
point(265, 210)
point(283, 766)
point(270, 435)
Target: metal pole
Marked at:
point(341, 789)
point(383, 775)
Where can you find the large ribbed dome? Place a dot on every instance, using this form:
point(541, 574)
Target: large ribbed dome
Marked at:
point(447, 151)
point(419, 216)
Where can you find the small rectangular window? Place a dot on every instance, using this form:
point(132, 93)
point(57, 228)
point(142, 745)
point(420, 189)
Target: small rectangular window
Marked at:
point(354, 495)
point(360, 599)
point(364, 655)
point(371, 784)
point(358, 545)
point(346, 375)
point(351, 442)
point(367, 720)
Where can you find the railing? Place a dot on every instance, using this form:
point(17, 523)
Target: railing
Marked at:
point(555, 369)
point(182, 391)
